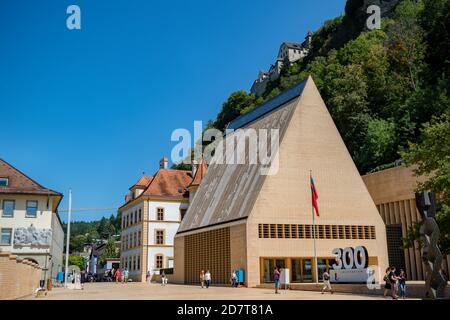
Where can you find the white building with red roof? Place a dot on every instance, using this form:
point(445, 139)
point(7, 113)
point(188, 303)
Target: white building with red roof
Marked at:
point(30, 227)
point(151, 215)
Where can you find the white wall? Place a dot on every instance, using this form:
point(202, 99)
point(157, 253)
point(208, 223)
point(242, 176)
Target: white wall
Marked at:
point(170, 224)
point(57, 247)
point(45, 218)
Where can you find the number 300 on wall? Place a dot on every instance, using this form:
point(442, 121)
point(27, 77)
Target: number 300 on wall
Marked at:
point(351, 258)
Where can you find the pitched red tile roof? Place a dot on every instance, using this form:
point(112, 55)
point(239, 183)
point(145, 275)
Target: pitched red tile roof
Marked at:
point(169, 183)
point(199, 174)
point(144, 181)
point(18, 182)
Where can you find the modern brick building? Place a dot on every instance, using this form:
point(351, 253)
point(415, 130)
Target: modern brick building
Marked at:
point(392, 190)
point(240, 218)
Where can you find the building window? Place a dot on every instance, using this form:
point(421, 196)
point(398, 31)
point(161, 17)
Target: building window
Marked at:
point(138, 262)
point(4, 182)
point(159, 261)
point(8, 208)
point(159, 237)
point(305, 231)
point(139, 238)
point(140, 215)
point(32, 208)
point(6, 237)
point(160, 214)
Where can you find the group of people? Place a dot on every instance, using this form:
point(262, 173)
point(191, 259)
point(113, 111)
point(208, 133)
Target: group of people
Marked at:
point(394, 283)
point(205, 278)
point(120, 276)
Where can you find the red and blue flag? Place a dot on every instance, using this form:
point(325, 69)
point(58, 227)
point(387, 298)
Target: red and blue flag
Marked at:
point(314, 196)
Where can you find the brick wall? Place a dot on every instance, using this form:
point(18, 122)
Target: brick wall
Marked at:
point(18, 278)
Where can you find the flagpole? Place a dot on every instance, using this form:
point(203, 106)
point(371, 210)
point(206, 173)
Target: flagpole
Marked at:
point(68, 239)
point(314, 231)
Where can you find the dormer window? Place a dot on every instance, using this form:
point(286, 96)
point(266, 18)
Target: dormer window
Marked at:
point(4, 182)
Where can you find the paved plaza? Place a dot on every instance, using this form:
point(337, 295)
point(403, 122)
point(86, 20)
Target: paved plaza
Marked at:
point(145, 291)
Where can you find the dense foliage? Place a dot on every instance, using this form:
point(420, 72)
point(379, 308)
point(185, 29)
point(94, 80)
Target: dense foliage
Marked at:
point(432, 159)
point(84, 232)
point(78, 261)
point(111, 251)
point(380, 87)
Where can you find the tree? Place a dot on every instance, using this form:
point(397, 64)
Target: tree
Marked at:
point(432, 160)
point(111, 251)
point(78, 261)
point(238, 103)
point(77, 243)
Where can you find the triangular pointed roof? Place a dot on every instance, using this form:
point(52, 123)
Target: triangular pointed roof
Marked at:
point(199, 173)
point(20, 183)
point(309, 140)
point(229, 191)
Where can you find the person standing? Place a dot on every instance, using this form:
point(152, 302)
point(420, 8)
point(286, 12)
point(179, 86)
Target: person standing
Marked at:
point(394, 283)
point(163, 279)
point(147, 277)
point(202, 278)
point(207, 279)
point(276, 278)
point(125, 275)
point(402, 283)
point(326, 282)
point(387, 282)
point(234, 279)
point(117, 275)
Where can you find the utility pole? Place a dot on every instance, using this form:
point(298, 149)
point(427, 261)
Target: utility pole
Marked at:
point(68, 240)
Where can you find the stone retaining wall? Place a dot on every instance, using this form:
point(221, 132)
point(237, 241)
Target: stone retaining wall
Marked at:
point(18, 278)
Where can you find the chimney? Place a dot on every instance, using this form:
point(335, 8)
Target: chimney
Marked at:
point(163, 163)
point(194, 166)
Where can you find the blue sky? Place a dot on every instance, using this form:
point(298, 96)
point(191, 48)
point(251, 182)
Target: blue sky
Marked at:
point(92, 109)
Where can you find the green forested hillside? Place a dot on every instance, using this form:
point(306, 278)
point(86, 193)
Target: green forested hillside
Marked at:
point(380, 86)
point(87, 232)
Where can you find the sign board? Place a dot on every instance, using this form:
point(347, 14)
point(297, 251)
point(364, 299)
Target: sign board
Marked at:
point(351, 265)
point(285, 277)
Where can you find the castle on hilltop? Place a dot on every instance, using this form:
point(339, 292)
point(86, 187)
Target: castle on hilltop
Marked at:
point(289, 51)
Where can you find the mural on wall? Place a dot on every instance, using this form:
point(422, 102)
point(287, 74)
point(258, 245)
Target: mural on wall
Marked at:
point(32, 236)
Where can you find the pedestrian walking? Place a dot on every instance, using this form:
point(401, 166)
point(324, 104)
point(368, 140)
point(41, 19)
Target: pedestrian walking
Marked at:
point(147, 277)
point(117, 275)
point(163, 279)
point(125, 275)
point(326, 282)
point(207, 279)
point(402, 283)
point(387, 282)
point(202, 278)
point(394, 283)
point(276, 278)
point(234, 279)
